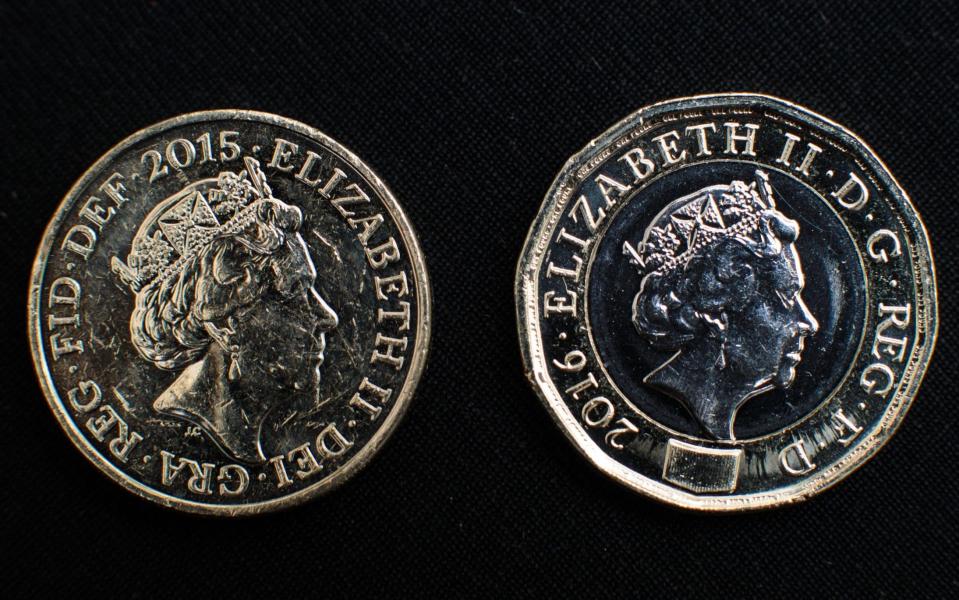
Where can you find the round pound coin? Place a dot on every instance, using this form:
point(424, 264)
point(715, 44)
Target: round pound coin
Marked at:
point(726, 302)
point(229, 313)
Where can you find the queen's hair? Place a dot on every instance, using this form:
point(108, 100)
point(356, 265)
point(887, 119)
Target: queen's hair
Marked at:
point(171, 321)
point(675, 306)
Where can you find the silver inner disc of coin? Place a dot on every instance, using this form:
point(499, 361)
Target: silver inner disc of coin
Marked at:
point(726, 302)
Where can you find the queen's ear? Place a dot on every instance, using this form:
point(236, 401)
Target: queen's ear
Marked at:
point(221, 335)
point(715, 324)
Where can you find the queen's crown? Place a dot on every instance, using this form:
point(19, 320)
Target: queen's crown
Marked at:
point(691, 224)
point(181, 225)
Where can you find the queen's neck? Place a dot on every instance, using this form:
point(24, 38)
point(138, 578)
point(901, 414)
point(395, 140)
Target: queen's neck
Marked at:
point(699, 377)
point(229, 411)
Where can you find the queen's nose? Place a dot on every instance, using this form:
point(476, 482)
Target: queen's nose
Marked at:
point(326, 318)
point(808, 325)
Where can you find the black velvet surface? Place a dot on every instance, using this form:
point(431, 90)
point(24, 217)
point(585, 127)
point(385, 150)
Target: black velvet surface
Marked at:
point(468, 111)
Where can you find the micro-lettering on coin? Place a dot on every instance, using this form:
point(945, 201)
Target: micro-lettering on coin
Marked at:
point(229, 313)
point(726, 302)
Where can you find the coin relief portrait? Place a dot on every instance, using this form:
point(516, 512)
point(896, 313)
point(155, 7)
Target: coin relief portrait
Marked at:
point(223, 286)
point(721, 287)
point(230, 313)
point(726, 302)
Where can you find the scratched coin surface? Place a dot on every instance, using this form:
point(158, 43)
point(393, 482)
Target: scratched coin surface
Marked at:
point(726, 302)
point(229, 313)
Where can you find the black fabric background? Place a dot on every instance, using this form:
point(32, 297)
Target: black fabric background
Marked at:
point(468, 111)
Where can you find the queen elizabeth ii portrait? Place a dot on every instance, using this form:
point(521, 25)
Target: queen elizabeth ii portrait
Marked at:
point(721, 289)
point(224, 294)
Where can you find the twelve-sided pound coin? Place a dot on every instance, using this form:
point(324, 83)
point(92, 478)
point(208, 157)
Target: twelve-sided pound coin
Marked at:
point(726, 302)
point(229, 313)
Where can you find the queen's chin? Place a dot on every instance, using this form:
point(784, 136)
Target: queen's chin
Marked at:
point(787, 372)
point(308, 380)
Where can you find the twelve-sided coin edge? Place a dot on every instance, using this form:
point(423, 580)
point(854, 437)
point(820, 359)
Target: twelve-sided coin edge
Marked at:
point(527, 306)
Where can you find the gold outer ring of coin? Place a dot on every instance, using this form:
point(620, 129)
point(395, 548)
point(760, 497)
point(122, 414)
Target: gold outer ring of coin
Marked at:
point(526, 291)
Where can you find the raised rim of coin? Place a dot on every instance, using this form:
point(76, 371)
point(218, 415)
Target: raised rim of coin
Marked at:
point(526, 289)
point(402, 399)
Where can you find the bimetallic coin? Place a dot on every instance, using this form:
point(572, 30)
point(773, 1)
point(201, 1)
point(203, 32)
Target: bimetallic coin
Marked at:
point(229, 313)
point(726, 302)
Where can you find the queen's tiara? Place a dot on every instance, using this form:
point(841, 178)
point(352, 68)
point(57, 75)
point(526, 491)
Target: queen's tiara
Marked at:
point(690, 224)
point(180, 226)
